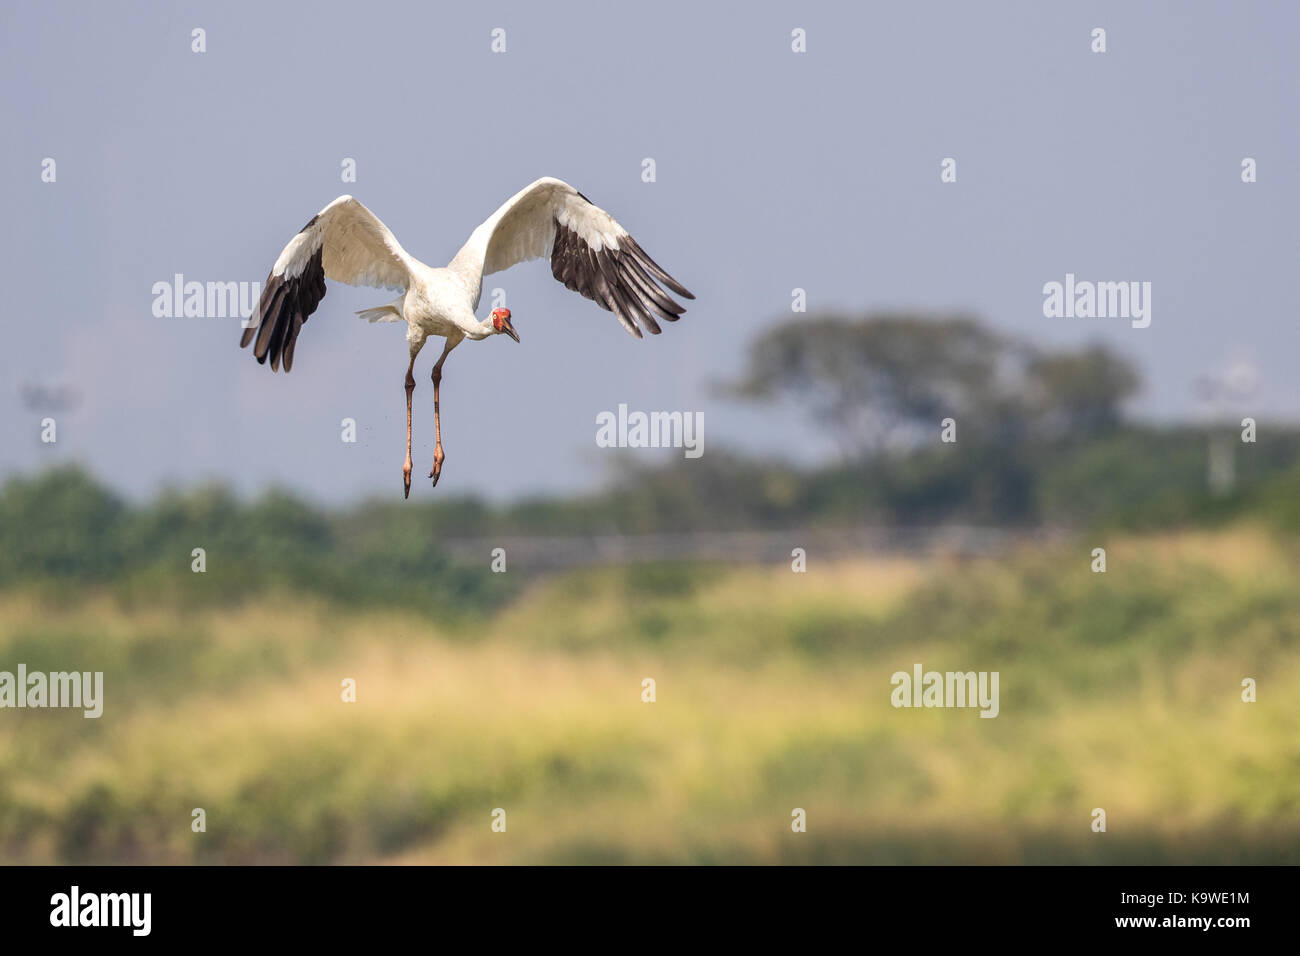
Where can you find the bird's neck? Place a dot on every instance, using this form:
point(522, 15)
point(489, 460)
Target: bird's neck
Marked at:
point(482, 330)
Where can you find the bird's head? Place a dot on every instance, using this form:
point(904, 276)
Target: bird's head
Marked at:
point(501, 323)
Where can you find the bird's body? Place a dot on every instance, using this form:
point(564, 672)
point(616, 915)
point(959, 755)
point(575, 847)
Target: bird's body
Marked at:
point(438, 302)
point(589, 252)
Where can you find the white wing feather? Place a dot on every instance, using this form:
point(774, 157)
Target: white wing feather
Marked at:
point(345, 242)
point(357, 248)
point(524, 228)
point(590, 253)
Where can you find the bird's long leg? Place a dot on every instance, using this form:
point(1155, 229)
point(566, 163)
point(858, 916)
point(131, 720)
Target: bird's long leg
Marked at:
point(436, 472)
point(406, 468)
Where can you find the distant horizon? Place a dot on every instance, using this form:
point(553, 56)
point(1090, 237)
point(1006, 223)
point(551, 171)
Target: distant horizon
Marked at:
point(244, 492)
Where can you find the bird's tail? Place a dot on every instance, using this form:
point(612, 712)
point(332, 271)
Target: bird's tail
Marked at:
point(384, 313)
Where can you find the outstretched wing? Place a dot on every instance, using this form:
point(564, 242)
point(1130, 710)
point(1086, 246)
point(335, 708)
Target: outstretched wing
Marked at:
point(589, 252)
point(345, 242)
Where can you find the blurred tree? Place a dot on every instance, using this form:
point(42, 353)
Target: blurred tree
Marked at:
point(876, 381)
point(888, 380)
point(60, 524)
point(62, 527)
point(1079, 394)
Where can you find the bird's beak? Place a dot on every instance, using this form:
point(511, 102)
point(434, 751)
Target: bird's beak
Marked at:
point(509, 329)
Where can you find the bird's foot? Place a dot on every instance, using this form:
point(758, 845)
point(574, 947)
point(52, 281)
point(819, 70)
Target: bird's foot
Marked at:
point(406, 479)
point(436, 472)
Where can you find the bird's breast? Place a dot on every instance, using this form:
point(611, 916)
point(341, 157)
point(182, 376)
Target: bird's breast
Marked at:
point(442, 304)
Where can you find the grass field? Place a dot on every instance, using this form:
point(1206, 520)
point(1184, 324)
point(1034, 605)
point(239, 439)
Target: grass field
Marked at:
point(1119, 690)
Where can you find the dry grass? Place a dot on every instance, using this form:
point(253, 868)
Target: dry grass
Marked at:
point(1118, 691)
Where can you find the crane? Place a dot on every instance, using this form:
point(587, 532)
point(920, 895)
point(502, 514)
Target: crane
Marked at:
point(345, 242)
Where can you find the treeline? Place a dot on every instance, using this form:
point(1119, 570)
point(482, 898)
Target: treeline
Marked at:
point(1131, 477)
point(63, 526)
point(64, 531)
point(1042, 439)
point(944, 419)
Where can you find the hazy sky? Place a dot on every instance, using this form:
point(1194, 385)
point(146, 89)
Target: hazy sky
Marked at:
point(775, 170)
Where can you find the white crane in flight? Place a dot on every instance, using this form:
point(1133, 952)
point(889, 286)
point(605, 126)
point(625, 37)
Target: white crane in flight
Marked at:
point(589, 252)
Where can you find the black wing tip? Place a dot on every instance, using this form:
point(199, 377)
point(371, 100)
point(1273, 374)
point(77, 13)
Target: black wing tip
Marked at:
point(282, 310)
point(623, 280)
point(658, 271)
